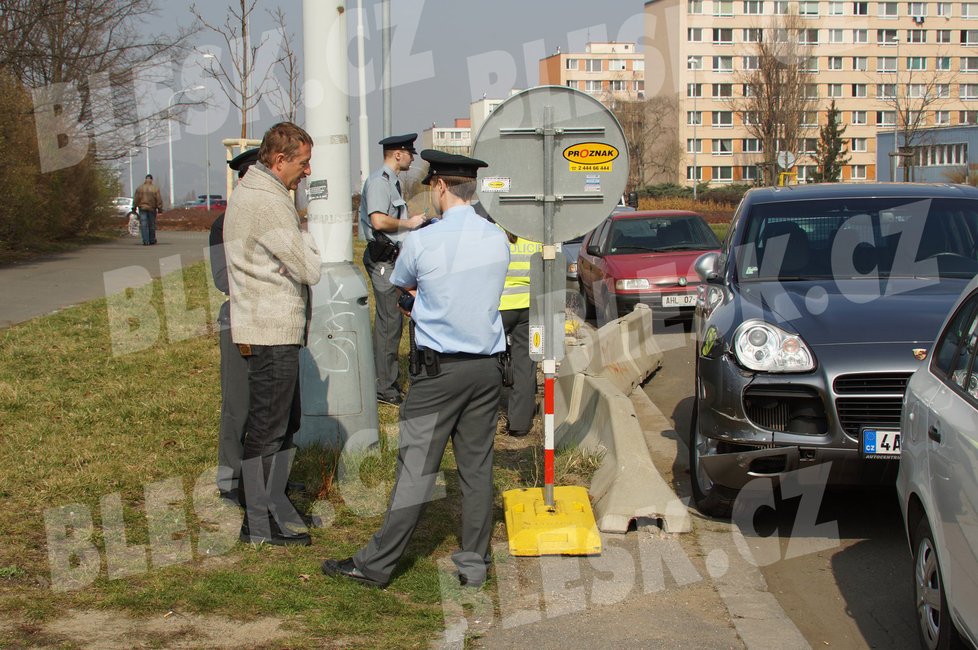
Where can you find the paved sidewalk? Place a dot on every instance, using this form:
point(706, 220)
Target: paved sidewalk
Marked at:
point(45, 285)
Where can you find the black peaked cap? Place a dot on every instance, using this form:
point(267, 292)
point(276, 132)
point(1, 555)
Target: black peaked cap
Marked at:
point(405, 142)
point(244, 159)
point(450, 164)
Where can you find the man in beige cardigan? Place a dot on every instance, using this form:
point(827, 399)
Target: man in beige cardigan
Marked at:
point(271, 262)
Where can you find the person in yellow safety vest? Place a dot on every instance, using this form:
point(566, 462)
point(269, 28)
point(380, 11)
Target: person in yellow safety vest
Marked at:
point(514, 306)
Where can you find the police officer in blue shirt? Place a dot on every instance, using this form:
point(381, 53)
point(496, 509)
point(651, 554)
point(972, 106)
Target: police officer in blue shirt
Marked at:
point(456, 267)
point(384, 222)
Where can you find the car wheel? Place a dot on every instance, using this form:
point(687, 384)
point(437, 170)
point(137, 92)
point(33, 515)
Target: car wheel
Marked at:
point(934, 625)
point(711, 499)
point(589, 312)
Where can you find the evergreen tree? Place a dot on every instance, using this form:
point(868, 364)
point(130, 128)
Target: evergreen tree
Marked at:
point(830, 154)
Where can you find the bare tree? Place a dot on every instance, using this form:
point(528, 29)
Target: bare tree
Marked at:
point(651, 128)
point(287, 101)
point(237, 78)
point(777, 105)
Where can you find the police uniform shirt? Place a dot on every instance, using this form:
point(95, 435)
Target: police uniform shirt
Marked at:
point(459, 267)
point(381, 193)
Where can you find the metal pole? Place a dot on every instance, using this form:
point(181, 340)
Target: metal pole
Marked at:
point(207, 161)
point(896, 102)
point(169, 135)
point(132, 190)
point(549, 354)
point(386, 56)
point(362, 83)
point(146, 144)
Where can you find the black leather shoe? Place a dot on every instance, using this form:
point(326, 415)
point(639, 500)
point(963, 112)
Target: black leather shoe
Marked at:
point(233, 497)
point(347, 569)
point(464, 581)
point(518, 434)
point(275, 537)
point(394, 400)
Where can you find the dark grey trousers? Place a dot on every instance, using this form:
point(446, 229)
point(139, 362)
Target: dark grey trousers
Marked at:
point(234, 406)
point(521, 398)
point(388, 325)
point(458, 404)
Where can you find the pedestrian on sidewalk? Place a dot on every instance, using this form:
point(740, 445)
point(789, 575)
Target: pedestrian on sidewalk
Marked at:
point(148, 201)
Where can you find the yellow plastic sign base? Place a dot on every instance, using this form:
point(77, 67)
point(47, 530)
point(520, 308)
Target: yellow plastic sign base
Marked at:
point(566, 529)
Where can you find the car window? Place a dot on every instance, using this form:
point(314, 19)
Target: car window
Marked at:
point(881, 237)
point(600, 237)
point(660, 234)
point(954, 360)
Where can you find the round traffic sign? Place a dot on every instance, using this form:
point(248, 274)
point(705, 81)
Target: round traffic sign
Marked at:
point(557, 145)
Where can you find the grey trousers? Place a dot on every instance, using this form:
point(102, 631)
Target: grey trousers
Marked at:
point(521, 398)
point(234, 406)
point(388, 325)
point(458, 404)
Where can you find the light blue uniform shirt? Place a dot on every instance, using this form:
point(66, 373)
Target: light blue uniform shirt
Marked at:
point(381, 194)
point(458, 265)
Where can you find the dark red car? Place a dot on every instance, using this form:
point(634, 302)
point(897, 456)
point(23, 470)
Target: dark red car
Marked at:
point(645, 257)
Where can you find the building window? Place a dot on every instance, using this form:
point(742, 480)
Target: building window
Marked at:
point(811, 64)
point(723, 174)
point(694, 6)
point(810, 91)
point(887, 9)
point(886, 36)
point(916, 91)
point(694, 117)
point(748, 172)
point(885, 118)
point(751, 118)
point(969, 64)
point(835, 90)
point(860, 36)
point(694, 173)
point(722, 119)
point(809, 118)
point(859, 63)
point(942, 35)
point(592, 65)
point(836, 7)
point(722, 91)
point(969, 9)
point(723, 7)
point(694, 145)
point(617, 86)
point(858, 90)
point(694, 90)
point(722, 147)
point(806, 173)
point(836, 35)
point(885, 91)
point(858, 145)
point(748, 90)
point(572, 84)
point(752, 145)
point(571, 64)
point(722, 35)
point(808, 8)
point(694, 63)
point(917, 36)
point(751, 62)
point(942, 118)
point(944, 9)
point(616, 65)
point(835, 63)
point(942, 63)
point(694, 34)
point(886, 64)
point(942, 91)
point(754, 7)
point(917, 8)
point(753, 34)
point(780, 7)
point(916, 63)
point(939, 155)
point(723, 64)
point(638, 87)
point(858, 172)
point(969, 91)
point(808, 36)
point(638, 65)
point(968, 117)
point(808, 145)
point(969, 36)
point(860, 8)
point(592, 86)
point(858, 117)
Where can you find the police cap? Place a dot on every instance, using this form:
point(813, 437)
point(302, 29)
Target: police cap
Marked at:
point(405, 142)
point(450, 164)
point(244, 160)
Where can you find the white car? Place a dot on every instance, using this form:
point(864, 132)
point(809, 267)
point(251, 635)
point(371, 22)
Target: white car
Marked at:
point(122, 204)
point(938, 479)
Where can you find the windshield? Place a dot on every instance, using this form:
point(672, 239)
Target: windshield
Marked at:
point(660, 234)
point(860, 238)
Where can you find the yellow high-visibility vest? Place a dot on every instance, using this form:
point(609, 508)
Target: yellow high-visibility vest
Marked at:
point(516, 290)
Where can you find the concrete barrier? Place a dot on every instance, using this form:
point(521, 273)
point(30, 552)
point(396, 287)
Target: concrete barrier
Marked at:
point(593, 410)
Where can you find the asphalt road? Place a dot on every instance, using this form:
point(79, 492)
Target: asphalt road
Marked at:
point(843, 579)
point(47, 284)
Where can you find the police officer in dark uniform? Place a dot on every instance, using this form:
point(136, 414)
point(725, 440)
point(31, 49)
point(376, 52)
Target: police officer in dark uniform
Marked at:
point(384, 222)
point(234, 367)
point(456, 267)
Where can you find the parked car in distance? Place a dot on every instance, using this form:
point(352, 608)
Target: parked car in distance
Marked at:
point(811, 320)
point(646, 257)
point(938, 480)
point(572, 248)
point(122, 204)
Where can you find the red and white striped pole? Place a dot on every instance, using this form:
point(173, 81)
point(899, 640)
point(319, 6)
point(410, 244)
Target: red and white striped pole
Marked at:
point(550, 379)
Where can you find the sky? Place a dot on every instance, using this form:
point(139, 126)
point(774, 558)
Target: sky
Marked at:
point(445, 54)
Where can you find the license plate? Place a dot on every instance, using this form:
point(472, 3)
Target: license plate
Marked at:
point(877, 443)
point(679, 300)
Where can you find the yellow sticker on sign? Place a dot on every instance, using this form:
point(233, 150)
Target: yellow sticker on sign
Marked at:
point(536, 340)
point(591, 157)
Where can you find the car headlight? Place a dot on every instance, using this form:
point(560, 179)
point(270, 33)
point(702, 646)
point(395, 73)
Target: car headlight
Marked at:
point(631, 284)
point(762, 346)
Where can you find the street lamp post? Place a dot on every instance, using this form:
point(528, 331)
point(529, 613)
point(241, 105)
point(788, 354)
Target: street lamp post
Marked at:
point(207, 146)
point(896, 104)
point(695, 63)
point(169, 133)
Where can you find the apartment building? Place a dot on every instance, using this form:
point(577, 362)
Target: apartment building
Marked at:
point(867, 56)
point(608, 71)
point(450, 139)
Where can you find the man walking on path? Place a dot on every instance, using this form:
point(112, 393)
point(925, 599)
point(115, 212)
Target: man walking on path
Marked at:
point(149, 203)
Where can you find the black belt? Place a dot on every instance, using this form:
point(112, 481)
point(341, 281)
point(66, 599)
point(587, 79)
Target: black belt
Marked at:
point(457, 356)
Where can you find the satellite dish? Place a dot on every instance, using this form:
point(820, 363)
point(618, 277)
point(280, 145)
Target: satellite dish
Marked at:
point(551, 141)
point(786, 159)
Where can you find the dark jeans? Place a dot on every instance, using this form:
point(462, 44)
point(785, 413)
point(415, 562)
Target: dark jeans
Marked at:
point(273, 417)
point(147, 226)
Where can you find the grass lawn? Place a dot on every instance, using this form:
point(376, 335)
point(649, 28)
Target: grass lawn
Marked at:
point(115, 454)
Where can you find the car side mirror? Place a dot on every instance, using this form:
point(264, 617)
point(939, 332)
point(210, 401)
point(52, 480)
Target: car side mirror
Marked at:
point(593, 249)
point(706, 267)
point(633, 199)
